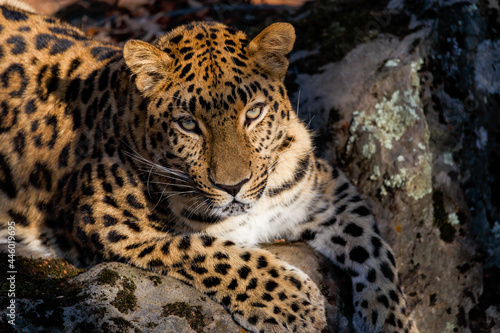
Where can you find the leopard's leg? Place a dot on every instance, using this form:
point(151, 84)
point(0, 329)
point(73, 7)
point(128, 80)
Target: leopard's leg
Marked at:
point(343, 229)
point(262, 293)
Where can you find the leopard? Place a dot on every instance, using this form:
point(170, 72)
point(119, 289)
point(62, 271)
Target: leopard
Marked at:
point(181, 157)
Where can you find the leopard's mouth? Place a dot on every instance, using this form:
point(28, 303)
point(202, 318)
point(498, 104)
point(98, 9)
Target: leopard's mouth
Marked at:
point(211, 214)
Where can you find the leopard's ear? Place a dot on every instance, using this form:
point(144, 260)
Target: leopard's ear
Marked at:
point(149, 64)
point(271, 46)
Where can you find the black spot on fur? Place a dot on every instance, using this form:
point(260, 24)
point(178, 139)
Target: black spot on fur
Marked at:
point(360, 286)
point(372, 275)
point(242, 297)
point(245, 256)
point(88, 87)
point(6, 180)
point(146, 251)
point(341, 188)
point(271, 285)
point(341, 259)
point(109, 220)
point(132, 225)
point(261, 262)
point(133, 202)
point(374, 317)
point(330, 222)
point(13, 15)
point(18, 218)
point(391, 257)
point(73, 33)
point(19, 142)
point(353, 229)
point(361, 211)
point(383, 300)
point(59, 45)
point(377, 244)
point(75, 63)
point(207, 240)
point(267, 297)
point(30, 106)
point(211, 282)
point(387, 271)
point(338, 240)
point(221, 256)
point(394, 296)
point(340, 209)
point(165, 249)
point(20, 79)
point(391, 320)
point(233, 285)
point(243, 272)
point(198, 270)
point(185, 70)
point(18, 43)
point(295, 282)
point(155, 263)
point(94, 238)
point(358, 254)
point(64, 156)
point(226, 301)
point(72, 93)
point(176, 39)
point(102, 53)
point(41, 177)
point(115, 237)
point(308, 235)
point(185, 243)
point(103, 79)
point(87, 214)
point(252, 284)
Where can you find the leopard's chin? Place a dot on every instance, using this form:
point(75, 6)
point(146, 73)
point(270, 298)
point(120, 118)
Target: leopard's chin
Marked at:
point(234, 208)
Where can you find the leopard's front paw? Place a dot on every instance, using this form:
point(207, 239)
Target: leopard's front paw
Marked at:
point(280, 299)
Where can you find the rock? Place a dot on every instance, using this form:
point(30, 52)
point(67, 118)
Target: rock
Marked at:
point(409, 117)
point(116, 297)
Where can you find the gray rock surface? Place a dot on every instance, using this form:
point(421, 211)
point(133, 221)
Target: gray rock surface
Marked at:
point(412, 118)
point(382, 140)
point(117, 297)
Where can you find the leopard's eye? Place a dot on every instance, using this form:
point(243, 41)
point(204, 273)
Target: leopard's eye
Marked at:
point(254, 113)
point(188, 124)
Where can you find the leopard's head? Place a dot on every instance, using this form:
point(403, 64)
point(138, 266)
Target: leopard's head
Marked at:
point(220, 128)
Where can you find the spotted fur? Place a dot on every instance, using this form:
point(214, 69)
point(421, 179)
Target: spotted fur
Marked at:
point(180, 157)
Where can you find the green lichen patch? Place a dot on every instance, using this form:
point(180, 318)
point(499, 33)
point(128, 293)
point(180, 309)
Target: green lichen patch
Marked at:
point(192, 314)
point(108, 276)
point(121, 323)
point(151, 325)
point(125, 299)
point(47, 279)
point(446, 229)
point(155, 279)
point(381, 129)
point(389, 121)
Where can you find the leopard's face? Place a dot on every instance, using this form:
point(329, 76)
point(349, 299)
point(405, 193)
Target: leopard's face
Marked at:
point(217, 118)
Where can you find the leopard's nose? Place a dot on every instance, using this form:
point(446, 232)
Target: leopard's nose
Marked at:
point(232, 189)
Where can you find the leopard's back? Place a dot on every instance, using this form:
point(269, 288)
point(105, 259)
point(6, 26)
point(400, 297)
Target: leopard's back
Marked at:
point(48, 82)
